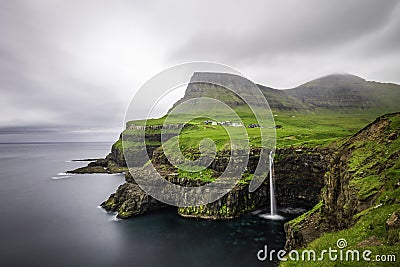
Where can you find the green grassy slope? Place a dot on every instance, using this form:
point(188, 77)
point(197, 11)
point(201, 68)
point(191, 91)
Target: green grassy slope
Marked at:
point(297, 128)
point(370, 184)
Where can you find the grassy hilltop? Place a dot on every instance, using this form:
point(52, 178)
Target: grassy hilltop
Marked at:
point(316, 113)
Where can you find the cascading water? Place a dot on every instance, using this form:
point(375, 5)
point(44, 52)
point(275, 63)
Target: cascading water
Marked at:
point(273, 215)
point(271, 184)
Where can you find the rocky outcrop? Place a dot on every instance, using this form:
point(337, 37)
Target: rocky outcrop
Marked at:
point(114, 162)
point(305, 228)
point(130, 200)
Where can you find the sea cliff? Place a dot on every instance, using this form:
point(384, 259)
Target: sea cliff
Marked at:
point(361, 197)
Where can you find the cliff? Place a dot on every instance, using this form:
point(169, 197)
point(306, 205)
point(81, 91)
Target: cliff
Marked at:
point(298, 181)
point(361, 197)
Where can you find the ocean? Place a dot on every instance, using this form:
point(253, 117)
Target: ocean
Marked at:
point(50, 218)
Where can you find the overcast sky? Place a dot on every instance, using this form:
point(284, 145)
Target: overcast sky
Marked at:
point(68, 69)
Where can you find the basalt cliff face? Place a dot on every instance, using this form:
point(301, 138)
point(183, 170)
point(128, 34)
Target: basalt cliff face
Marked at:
point(298, 181)
point(362, 190)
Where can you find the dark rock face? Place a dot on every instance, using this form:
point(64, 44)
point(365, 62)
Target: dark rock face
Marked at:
point(130, 200)
point(117, 156)
point(237, 202)
point(299, 175)
point(298, 182)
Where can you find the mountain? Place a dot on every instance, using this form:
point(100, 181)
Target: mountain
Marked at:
point(333, 92)
point(277, 99)
point(341, 91)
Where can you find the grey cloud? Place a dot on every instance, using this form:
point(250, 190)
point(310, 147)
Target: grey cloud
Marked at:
point(305, 27)
point(37, 82)
point(72, 66)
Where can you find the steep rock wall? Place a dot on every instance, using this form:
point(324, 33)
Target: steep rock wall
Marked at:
point(298, 181)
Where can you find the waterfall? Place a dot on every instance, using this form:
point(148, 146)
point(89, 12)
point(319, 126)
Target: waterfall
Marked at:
point(271, 184)
point(273, 214)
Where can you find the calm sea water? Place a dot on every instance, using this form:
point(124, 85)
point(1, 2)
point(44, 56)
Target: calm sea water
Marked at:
point(52, 219)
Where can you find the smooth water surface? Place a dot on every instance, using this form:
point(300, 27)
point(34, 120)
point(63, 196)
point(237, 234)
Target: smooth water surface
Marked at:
point(49, 218)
